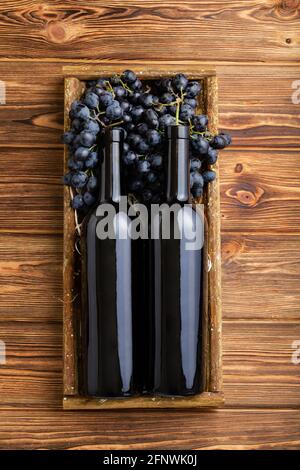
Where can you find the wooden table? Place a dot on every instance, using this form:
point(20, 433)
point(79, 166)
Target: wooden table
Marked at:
point(255, 48)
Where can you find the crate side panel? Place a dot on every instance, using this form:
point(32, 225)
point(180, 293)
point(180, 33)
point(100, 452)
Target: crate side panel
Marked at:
point(73, 90)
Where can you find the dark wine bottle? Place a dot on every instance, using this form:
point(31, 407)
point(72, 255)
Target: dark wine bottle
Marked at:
point(110, 360)
point(177, 279)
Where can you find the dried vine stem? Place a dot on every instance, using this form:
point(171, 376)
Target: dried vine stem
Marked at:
point(77, 224)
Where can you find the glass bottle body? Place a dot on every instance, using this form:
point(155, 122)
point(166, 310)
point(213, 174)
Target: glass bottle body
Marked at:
point(177, 274)
point(111, 363)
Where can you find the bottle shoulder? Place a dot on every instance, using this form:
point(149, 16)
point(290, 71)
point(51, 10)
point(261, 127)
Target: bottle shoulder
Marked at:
point(112, 220)
point(100, 209)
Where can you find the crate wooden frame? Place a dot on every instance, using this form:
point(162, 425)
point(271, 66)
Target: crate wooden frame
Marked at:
point(212, 396)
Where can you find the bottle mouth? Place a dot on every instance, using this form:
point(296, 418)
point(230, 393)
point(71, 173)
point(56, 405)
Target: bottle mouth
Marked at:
point(179, 131)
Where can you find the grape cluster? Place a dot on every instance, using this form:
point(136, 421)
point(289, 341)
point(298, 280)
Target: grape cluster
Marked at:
point(143, 111)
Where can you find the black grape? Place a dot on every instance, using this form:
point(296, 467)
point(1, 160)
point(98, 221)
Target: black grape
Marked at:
point(143, 109)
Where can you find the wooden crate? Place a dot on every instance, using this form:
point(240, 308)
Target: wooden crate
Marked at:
point(212, 347)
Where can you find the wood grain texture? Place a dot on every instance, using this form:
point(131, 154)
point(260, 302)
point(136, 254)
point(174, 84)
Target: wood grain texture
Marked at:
point(31, 190)
point(256, 105)
point(260, 200)
point(32, 376)
point(252, 30)
point(260, 114)
point(258, 367)
point(73, 90)
point(219, 429)
point(260, 191)
point(257, 357)
point(31, 278)
point(258, 194)
point(265, 269)
point(250, 263)
point(206, 400)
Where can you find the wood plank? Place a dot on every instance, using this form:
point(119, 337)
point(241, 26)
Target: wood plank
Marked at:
point(260, 191)
point(203, 400)
point(36, 166)
point(258, 369)
point(33, 114)
point(260, 276)
point(31, 213)
point(31, 190)
point(220, 429)
point(251, 30)
point(32, 375)
point(31, 278)
point(256, 107)
point(255, 104)
point(251, 263)
point(73, 89)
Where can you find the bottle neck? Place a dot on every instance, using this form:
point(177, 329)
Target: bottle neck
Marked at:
point(178, 168)
point(110, 168)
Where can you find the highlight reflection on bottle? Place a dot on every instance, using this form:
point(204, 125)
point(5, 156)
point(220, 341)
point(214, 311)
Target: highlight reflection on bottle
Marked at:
point(177, 282)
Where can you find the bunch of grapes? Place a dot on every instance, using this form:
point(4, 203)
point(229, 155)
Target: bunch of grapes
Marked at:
point(143, 111)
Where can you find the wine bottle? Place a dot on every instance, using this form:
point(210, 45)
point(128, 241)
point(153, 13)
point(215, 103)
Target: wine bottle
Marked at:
point(177, 279)
point(110, 360)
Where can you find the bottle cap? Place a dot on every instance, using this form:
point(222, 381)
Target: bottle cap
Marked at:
point(178, 132)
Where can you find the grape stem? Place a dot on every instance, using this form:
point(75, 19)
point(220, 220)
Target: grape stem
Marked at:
point(115, 124)
point(101, 122)
point(162, 105)
point(110, 88)
point(96, 117)
point(177, 112)
point(126, 87)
